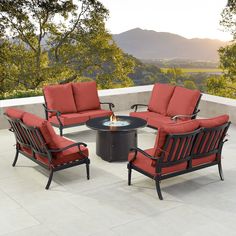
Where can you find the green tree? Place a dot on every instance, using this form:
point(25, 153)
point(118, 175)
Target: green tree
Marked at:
point(228, 16)
point(190, 84)
point(60, 40)
point(228, 61)
point(218, 85)
point(174, 74)
point(228, 53)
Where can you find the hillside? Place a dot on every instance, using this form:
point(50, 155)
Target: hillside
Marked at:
point(149, 44)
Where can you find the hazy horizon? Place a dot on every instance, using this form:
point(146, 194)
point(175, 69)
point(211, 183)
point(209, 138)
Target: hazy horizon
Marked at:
point(187, 18)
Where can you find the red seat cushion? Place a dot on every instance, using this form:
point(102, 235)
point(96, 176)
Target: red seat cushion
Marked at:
point(146, 164)
point(159, 120)
point(203, 160)
point(161, 95)
point(178, 128)
point(183, 102)
point(213, 122)
point(44, 126)
point(70, 119)
point(66, 156)
point(14, 113)
point(146, 115)
point(60, 98)
point(96, 113)
point(86, 96)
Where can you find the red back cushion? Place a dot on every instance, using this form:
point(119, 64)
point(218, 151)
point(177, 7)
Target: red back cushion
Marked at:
point(14, 113)
point(211, 140)
point(213, 122)
point(60, 98)
point(183, 101)
point(161, 95)
point(86, 96)
point(178, 128)
point(44, 126)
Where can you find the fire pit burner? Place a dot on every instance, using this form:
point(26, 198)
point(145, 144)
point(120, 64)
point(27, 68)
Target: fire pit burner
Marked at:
point(116, 122)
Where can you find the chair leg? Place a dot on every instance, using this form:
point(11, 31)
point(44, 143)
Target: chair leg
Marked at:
point(49, 179)
point(159, 189)
point(16, 157)
point(129, 174)
point(220, 171)
point(87, 169)
point(61, 131)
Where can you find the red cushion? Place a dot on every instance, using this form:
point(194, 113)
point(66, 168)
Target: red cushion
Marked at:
point(26, 150)
point(160, 120)
point(96, 113)
point(66, 156)
point(145, 163)
point(60, 98)
point(203, 160)
point(206, 139)
point(86, 96)
point(160, 98)
point(70, 119)
point(183, 102)
point(213, 122)
point(44, 126)
point(146, 115)
point(14, 113)
point(178, 128)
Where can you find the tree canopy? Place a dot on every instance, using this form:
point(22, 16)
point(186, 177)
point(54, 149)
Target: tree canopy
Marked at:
point(51, 41)
point(228, 53)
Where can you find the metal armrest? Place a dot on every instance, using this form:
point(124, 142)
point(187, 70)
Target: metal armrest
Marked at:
point(111, 105)
point(51, 111)
point(135, 106)
point(136, 150)
point(175, 118)
point(68, 147)
point(58, 113)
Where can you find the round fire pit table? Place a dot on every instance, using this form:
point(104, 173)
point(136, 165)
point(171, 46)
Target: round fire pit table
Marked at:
point(115, 138)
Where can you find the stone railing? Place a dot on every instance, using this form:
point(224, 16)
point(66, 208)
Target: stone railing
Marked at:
point(123, 98)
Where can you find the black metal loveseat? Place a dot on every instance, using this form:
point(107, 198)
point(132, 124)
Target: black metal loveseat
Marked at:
point(72, 104)
point(168, 104)
point(37, 140)
point(181, 148)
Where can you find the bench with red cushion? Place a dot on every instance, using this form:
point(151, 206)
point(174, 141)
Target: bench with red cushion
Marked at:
point(181, 148)
point(169, 104)
point(72, 104)
point(37, 140)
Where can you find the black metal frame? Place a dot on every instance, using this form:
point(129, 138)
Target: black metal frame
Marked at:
point(180, 148)
point(176, 117)
point(31, 137)
point(58, 114)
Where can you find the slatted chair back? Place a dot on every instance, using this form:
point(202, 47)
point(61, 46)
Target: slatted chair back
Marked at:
point(36, 140)
point(177, 149)
point(210, 141)
point(20, 134)
point(28, 137)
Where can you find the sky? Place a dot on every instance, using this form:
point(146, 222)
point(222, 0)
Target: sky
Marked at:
point(188, 18)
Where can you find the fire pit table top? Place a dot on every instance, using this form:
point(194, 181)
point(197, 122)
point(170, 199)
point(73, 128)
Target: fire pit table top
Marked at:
point(122, 123)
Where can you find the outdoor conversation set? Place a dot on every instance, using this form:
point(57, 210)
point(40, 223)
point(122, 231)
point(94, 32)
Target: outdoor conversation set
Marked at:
point(183, 143)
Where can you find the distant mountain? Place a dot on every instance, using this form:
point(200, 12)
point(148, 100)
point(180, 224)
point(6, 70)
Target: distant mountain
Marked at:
point(149, 44)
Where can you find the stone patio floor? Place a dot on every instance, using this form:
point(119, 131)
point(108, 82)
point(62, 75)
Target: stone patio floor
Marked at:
point(194, 204)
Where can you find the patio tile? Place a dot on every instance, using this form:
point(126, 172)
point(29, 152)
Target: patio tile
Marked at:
point(15, 219)
point(195, 203)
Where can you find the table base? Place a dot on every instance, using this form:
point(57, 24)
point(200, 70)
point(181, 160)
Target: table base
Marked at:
point(115, 146)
